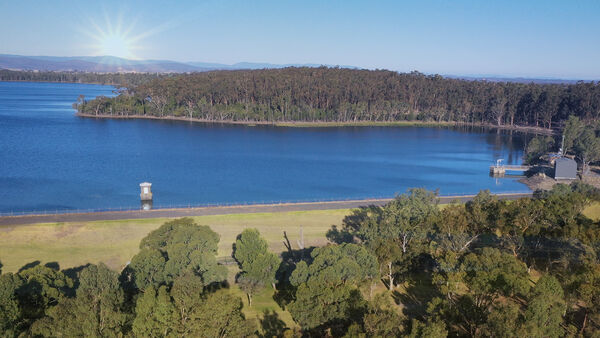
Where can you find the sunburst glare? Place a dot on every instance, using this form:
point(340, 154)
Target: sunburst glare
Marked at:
point(112, 39)
point(115, 45)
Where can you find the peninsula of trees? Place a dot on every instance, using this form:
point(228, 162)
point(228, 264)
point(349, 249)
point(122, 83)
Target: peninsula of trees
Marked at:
point(348, 95)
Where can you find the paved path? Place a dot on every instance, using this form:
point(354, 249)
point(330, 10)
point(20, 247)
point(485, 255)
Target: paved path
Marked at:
point(222, 210)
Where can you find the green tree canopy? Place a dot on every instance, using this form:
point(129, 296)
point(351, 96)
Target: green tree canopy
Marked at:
point(396, 232)
point(546, 308)
point(490, 273)
point(258, 265)
point(172, 250)
point(327, 295)
point(42, 288)
point(10, 310)
point(96, 311)
point(155, 314)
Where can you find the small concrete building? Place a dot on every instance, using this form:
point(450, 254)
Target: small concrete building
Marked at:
point(146, 195)
point(565, 169)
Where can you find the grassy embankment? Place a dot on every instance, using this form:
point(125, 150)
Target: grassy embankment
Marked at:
point(115, 242)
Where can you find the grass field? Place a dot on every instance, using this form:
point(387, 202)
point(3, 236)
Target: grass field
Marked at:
point(115, 242)
point(593, 211)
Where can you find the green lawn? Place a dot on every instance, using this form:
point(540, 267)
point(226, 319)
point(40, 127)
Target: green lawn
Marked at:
point(593, 211)
point(115, 242)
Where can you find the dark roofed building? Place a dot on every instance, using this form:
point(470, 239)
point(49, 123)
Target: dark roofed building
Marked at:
point(565, 169)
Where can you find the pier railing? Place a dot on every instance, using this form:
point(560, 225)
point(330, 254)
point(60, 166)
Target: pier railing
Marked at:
point(58, 211)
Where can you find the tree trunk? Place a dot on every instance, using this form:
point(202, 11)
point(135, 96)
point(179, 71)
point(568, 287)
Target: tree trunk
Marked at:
point(584, 323)
point(390, 277)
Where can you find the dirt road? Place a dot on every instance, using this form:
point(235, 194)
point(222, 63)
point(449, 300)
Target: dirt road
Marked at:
point(221, 210)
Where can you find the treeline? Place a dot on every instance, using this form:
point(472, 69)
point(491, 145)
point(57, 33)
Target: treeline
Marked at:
point(579, 139)
point(349, 95)
point(116, 79)
point(487, 268)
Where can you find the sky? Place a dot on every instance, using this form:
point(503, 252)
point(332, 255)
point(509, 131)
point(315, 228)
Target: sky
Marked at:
point(525, 38)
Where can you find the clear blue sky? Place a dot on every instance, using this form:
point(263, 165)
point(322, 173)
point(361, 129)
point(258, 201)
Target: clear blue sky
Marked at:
point(527, 38)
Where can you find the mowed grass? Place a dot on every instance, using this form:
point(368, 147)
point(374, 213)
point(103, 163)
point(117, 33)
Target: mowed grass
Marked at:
point(593, 211)
point(115, 242)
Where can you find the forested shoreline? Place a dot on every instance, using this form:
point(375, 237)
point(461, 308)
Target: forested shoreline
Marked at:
point(349, 95)
point(115, 79)
point(487, 268)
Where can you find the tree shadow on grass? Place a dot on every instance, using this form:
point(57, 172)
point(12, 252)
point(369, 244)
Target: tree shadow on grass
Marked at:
point(285, 291)
point(29, 266)
point(339, 236)
point(272, 325)
point(418, 292)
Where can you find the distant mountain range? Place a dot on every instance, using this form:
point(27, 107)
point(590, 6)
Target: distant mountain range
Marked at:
point(113, 64)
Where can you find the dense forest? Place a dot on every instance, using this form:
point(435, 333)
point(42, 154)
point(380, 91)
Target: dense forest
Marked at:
point(487, 268)
point(349, 95)
point(116, 79)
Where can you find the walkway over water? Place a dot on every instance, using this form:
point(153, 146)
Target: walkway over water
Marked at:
point(500, 170)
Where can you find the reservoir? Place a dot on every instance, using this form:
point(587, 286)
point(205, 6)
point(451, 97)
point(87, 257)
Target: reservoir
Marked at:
point(52, 160)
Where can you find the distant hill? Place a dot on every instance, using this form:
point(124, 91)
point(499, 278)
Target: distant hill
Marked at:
point(258, 65)
point(101, 64)
point(493, 78)
point(112, 64)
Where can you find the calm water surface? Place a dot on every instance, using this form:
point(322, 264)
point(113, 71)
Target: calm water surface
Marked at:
point(51, 159)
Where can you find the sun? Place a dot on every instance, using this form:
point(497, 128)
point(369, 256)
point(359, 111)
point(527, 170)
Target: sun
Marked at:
point(115, 45)
point(113, 38)
point(117, 36)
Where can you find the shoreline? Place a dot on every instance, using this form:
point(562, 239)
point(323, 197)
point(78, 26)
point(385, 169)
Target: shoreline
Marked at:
point(321, 124)
point(222, 210)
point(68, 82)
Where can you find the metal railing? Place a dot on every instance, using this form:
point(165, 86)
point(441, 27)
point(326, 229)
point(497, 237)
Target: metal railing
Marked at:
point(223, 204)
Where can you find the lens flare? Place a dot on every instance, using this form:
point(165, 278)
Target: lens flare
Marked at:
point(117, 35)
point(115, 45)
point(111, 38)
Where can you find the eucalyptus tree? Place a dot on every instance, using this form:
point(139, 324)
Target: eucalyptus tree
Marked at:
point(11, 319)
point(41, 288)
point(95, 311)
point(258, 265)
point(155, 314)
point(397, 232)
point(545, 309)
point(327, 294)
point(587, 147)
point(572, 130)
point(177, 247)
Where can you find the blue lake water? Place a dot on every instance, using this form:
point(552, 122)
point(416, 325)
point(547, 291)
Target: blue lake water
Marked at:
point(51, 159)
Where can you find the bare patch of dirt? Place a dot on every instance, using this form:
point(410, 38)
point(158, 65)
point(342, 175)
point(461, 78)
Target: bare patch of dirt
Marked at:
point(66, 230)
point(114, 263)
point(539, 182)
